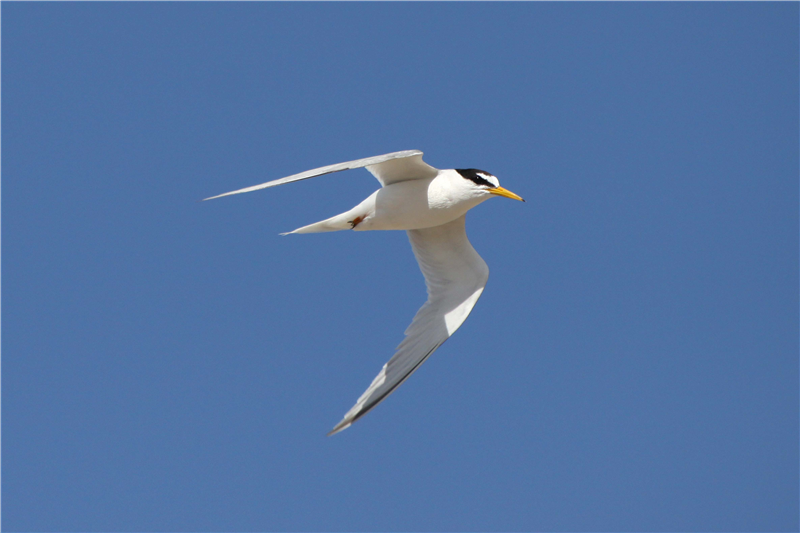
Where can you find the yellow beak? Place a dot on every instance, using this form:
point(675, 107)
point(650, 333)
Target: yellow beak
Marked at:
point(499, 191)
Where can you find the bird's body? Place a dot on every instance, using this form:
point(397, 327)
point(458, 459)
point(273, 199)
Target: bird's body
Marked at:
point(431, 205)
point(406, 205)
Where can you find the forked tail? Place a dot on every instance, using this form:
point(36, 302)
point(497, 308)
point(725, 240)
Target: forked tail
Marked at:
point(337, 223)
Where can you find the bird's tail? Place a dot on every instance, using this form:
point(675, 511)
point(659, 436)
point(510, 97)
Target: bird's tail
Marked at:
point(337, 223)
point(347, 220)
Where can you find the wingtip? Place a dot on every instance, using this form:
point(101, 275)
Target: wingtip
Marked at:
point(213, 197)
point(341, 426)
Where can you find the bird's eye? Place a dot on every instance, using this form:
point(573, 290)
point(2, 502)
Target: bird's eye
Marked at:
point(480, 178)
point(491, 181)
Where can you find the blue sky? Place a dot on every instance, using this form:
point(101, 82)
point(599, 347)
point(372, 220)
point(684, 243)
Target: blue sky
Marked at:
point(173, 365)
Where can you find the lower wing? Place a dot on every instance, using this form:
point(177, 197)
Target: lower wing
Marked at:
point(455, 276)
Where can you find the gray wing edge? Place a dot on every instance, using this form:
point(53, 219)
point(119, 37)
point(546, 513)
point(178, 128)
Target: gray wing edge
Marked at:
point(373, 402)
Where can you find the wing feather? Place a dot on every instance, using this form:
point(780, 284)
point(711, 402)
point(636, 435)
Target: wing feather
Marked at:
point(455, 276)
point(387, 168)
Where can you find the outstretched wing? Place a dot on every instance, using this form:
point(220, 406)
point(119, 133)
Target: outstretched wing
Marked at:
point(388, 168)
point(455, 276)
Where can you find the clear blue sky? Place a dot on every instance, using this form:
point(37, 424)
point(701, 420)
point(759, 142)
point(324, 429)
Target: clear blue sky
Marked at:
point(173, 365)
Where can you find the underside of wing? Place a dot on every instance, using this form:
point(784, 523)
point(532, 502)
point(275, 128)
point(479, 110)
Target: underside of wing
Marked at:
point(388, 168)
point(455, 276)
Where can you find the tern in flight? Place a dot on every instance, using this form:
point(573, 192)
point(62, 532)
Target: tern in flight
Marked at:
point(430, 205)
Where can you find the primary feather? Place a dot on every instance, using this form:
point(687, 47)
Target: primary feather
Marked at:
point(387, 171)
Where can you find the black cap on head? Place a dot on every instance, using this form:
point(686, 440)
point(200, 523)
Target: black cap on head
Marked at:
point(474, 175)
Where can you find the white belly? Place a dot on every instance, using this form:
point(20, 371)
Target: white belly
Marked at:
point(412, 205)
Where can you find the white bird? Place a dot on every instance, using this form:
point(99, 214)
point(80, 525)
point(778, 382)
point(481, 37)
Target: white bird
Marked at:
point(431, 205)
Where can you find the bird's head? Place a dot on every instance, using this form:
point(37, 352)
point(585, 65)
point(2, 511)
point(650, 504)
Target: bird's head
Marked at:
point(483, 183)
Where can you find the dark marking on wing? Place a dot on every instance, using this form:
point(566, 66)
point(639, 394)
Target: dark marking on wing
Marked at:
point(372, 403)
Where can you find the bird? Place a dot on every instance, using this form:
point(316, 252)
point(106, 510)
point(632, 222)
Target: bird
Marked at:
point(431, 206)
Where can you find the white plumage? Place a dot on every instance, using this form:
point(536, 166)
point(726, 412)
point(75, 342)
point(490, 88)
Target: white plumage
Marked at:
point(430, 205)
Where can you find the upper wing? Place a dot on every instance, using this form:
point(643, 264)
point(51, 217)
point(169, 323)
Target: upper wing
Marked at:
point(388, 168)
point(455, 276)
point(401, 168)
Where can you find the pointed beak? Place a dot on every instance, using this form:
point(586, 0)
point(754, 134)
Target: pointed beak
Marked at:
point(499, 191)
